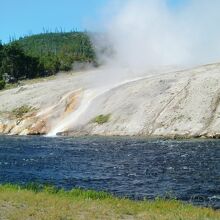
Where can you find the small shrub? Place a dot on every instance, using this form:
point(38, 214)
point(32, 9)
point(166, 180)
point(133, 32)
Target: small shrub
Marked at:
point(101, 119)
point(21, 111)
point(35, 187)
point(2, 84)
point(88, 194)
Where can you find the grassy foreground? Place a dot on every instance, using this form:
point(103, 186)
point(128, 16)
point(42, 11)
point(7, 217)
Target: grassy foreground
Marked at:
point(47, 203)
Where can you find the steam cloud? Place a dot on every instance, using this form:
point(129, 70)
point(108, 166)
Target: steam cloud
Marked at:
point(150, 33)
point(147, 35)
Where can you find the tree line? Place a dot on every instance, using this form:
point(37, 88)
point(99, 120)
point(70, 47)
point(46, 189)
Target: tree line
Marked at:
point(43, 55)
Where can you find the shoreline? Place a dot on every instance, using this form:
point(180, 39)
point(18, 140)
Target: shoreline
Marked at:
point(144, 137)
point(47, 202)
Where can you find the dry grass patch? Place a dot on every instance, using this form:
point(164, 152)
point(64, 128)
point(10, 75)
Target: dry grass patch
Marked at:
point(22, 110)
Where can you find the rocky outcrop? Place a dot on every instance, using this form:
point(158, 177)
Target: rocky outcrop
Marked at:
point(38, 122)
point(178, 104)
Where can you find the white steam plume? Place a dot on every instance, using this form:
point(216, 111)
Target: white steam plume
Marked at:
point(147, 35)
point(150, 33)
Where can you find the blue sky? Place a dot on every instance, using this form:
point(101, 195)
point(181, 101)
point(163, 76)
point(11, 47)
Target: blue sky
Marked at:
point(20, 17)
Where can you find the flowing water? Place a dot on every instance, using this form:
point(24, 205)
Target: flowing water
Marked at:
point(132, 167)
point(89, 96)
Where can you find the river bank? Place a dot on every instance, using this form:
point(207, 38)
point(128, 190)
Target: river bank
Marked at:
point(49, 203)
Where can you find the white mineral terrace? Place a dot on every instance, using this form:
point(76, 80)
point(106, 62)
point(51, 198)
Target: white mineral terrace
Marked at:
point(179, 103)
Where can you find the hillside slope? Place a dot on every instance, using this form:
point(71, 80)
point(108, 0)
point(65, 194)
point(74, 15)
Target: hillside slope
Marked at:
point(74, 44)
point(176, 104)
point(44, 55)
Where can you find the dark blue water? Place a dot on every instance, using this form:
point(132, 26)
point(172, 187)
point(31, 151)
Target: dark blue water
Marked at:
point(136, 168)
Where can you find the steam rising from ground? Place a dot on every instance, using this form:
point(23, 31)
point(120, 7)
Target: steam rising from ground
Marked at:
point(151, 33)
point(145, 37)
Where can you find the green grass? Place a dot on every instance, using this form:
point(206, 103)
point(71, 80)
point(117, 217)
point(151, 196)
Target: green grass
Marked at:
point(101, 119)
point(46, 202)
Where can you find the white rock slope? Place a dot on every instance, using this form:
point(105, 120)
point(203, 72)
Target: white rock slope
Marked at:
point(177, 104)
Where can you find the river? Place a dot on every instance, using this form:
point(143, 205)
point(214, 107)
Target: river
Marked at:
point(137, 168)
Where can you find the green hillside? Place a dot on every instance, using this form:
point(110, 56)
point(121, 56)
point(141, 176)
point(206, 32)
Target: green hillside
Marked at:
point(75, 46)
point(43, 55)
